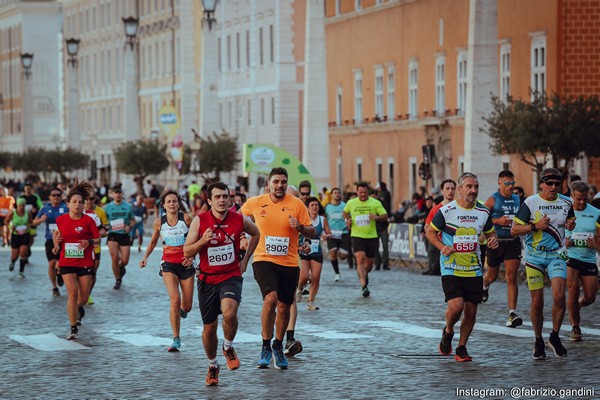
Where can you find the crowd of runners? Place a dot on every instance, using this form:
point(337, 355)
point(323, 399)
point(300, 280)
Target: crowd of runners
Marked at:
point(213, 234)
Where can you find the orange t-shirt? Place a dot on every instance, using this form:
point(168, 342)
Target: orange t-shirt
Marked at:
point(278, 241)
point(6, 204)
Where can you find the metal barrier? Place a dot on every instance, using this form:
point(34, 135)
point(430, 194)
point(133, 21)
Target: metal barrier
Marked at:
point(406, 242)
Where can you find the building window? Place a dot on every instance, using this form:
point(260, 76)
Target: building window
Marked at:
point(504, 71)
point(461, 82)
point(262, 111)
point(237, 48)
point(272, 45)
point(413, 87)
point(391, 175)
point(249, 111)
point(221, 114)
point(379, 171)
point(359, 172)
point(358, 4)
point(538, 65)
point(219, 54)
point(230, 114)
point(440, 85)
point(260, 39)
point(338, 7)
point(379, 92)
point(391, 92)
point(247, 48)
point(228, 53)
point(273, 110)
point(338, 106)
point(358, 100)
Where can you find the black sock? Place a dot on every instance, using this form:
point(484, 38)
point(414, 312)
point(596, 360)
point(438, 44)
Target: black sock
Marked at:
point(289, 335)
point(22, 265)
point(554, 333)
point(335, 265)
point(277, 344)
point(267, 343)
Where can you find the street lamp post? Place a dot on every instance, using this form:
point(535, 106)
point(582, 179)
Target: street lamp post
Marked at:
point(27, 116)
point(210, 65)
point(209, 7)
point(74, 128)
point(132, 105)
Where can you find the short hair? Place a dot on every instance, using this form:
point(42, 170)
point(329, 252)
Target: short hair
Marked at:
point(382, 186)
point(278, 171)
point(506, 174)
point(305, 183)
point(580, 186)
point(362, 185)
point(217, 185)
point(466, 175)
point(447, 181)
point(334, 189)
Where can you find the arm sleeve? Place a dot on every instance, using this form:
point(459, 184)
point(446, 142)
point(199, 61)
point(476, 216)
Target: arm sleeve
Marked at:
point(439, 222)
point(523, 215)
point(489, 226)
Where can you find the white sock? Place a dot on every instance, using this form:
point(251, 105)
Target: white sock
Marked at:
point(486, 287)
point(512, 311)
point(213, 363)
point(227, 344)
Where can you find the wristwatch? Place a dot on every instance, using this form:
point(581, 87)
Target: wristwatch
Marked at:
point(91, 242)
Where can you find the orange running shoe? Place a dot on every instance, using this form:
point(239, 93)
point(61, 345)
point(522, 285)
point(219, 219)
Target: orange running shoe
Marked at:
point(212, 377)
point(233, 362)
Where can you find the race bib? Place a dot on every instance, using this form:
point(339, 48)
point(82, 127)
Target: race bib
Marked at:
point(465, 243)
point(277, 245)
point(138, 219)
point(221, 255)
point(21, 229)
point(314, 246)
point(3, 212)
point(336, 234)
point(72, 250)
point(362, 220)
point(52, 228)
point(117, 224)
point(28, 207)
point(579, 239)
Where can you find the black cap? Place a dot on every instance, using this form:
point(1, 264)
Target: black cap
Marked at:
point(550, 173)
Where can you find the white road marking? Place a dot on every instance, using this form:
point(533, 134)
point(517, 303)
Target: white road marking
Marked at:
point(567, 328)
point(314, 330)
point(137, 339)
point(408, 329)
point(48, 342)
point(503, 330)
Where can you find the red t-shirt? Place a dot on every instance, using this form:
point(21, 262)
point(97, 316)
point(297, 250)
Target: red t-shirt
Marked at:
point(72, 231)
point(219, 259)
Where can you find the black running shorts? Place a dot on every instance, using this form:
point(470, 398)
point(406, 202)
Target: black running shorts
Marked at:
point(584, 268)
point(470, 289)
point(49, 254)
point(507, 250)
point(210, 296)
point(276, 278)
point(182, 272)
point(80, 271)
point(17, 241)
point(122, 238)
point(369, 246)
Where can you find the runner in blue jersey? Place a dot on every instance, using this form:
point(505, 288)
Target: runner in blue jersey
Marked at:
point(339, 243)
point(543, 218)
point(120, 223)
point(583, 242)
point(503, 205)
point(140, 213)
point(48, 214)
point(461, 222)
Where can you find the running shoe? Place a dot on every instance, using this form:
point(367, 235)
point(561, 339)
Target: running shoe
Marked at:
point(311, 307)
point(233, 362)
point(445, 347)
point(122, 271)
point(292, 347)
point(556, 346)
point(117, 284)
point(11, 266)
point(81, 315)
point(182, 314)
point(576, 334)
point(305, 291)
point(514, 320)
point(59, 280)
point(175, 345)
point(298, 296)
point(265, 357)
point(462, 355)
point(365, 291)
point(73, 334)
point(539, 350)
point(90, 300)
point(212, 377)
point(139, 249)
point(279, 359)
point(21, 275)
point(55, 292)
point(486, 295)
point(337, 278)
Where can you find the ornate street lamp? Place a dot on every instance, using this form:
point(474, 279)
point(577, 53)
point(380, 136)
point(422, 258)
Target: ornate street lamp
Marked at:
point(26, 62)
point(131, 28)
point(209, 7)
point(72, 49)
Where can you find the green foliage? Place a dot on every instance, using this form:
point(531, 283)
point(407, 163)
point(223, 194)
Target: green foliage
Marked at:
point(140, 159)
point(550, 128)
point(218, 154)
point(6, 159)
point(37, 160)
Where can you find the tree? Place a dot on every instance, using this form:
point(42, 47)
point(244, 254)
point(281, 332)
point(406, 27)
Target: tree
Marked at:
point(140, 159)
point(552, 128)
point(37, 160)
point(218, 154)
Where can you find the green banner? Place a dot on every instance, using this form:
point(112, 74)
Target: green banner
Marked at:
point(261, 158)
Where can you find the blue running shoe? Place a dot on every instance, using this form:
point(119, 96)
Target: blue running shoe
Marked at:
point(265, 358)
point(175, 345)
point(279, 358)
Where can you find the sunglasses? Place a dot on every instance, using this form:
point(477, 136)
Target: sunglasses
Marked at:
point(553, 183)
point(91, 198)
point(509, 183)
point(55, 195)
point(304, 193)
